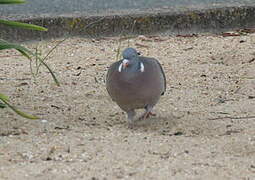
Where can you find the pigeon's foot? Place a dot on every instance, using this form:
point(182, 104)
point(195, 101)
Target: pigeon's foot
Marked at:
point(151, 114)
point(146, 115)
point(131, 115)
point(131, 125)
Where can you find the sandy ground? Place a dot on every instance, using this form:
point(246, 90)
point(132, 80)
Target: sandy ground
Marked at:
point(204, 129)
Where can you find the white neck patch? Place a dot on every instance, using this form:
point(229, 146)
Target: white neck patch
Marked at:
point(120, 67)
point(142, 67)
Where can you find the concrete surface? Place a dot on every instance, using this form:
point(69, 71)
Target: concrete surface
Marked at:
point(58, 7)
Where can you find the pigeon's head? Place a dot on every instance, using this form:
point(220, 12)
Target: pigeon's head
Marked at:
point(130, 57)
point(130, 54)
point(130, 60)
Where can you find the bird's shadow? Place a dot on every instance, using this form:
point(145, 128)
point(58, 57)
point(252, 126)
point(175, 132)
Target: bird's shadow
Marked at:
point(158, 124)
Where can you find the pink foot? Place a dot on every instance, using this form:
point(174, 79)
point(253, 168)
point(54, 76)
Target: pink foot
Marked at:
point(146, 115)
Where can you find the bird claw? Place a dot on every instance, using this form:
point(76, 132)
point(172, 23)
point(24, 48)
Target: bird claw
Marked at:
point(131, 125)
point(146, 115)
point(152, 114)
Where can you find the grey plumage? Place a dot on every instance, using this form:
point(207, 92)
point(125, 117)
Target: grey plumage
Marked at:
point(135, 82)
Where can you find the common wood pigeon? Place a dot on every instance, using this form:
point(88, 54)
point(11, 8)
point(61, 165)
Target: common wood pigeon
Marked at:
point(136, 82)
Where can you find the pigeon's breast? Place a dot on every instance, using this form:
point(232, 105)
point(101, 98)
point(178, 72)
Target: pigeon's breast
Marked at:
point(134, 91)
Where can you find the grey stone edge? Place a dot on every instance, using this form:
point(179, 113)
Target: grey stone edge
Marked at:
point(171, 23)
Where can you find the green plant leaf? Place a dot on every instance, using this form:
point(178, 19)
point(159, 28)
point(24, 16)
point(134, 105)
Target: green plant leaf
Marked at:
point(12, 1)
point(2, 96)
point(24, 51)
point(5, 100)
point(22, 25)
point(2, 105)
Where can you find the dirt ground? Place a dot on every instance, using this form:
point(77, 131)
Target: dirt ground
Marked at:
point(204, 129)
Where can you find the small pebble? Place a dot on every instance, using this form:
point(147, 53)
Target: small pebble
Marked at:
point(44, 121)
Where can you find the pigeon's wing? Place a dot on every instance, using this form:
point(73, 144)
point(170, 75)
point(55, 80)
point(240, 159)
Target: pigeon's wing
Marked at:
point(154, 63)
point(110, 76)
point(164, 76)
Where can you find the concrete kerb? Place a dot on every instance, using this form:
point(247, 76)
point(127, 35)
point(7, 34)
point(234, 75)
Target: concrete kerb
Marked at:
point(186, 22)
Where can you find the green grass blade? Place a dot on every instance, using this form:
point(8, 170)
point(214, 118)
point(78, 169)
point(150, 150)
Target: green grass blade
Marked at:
point(26, 52)
point(2, 96)
point(22, 25)
point(52, 49)
point(12, 1)
point(4, 99)
point(43, 59)
point(51, 72)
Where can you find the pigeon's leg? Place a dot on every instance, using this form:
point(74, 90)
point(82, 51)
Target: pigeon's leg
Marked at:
point(148, 112)
point(131, 116)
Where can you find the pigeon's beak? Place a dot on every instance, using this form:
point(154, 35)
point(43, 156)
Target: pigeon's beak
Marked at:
point(125, 63)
